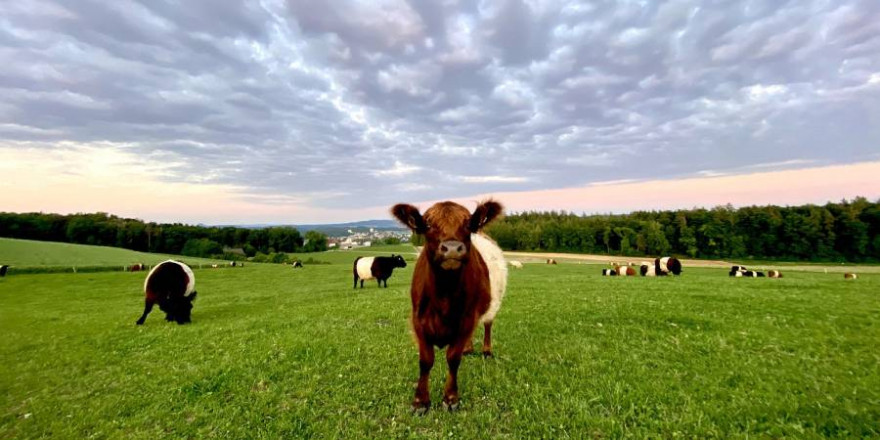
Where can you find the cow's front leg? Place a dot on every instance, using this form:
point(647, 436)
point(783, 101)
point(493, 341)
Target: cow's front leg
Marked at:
point(422, 400)
point(453, 360)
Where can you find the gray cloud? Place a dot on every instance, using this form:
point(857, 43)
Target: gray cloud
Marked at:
point(369, 103)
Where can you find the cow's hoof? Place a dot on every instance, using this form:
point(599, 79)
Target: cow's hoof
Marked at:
point(139, 322)
point(488, 355)
point(451, 405)
point(420, 408)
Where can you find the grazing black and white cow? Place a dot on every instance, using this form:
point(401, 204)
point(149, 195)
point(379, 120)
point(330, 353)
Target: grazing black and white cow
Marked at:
point(774, 274)
point(171, 284)
point(750, 274)
point(738, 268)
point(380, 268)
point(665, 265)
point(297, 264)
point(3, 269)
point(609, 272)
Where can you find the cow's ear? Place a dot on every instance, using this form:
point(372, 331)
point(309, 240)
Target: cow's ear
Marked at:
point(191, 296)
point(409, 215)
point(484, 214)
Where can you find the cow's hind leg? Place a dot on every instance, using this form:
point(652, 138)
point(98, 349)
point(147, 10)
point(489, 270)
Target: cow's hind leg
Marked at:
point(487, 339)
point(453, 360)
point(355, 281)
point(468, 347)
point(148, 307)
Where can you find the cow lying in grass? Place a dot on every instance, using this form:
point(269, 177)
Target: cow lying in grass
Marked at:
point(171, 284)
point(458, 281)
point(379, 268)
point(667, 265)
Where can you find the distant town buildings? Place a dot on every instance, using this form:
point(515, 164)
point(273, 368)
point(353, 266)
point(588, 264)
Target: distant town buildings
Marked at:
point(365, 238)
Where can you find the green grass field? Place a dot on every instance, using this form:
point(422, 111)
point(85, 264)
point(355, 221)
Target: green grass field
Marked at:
point(275, 352)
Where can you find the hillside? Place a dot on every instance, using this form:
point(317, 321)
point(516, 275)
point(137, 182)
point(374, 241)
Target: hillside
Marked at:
point(45, 254)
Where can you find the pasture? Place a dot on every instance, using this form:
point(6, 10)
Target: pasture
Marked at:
point(280, 353)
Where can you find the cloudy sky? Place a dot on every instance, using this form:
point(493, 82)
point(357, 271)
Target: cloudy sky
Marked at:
point(321, 111)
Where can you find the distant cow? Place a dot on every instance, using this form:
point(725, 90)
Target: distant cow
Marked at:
point(380, 268)
point(171, 284)
point(609, 272)
point(647, 269)
point(516, 264)
point(666, 265)
point(625, 271)
point(736, 273)
point(850, 276)
point(774, 274)
point(136, 267)
point(297, 264)
point(750, 274)
point(738, 268)
point(3, 270)
point(232, 264)
point(551, 261)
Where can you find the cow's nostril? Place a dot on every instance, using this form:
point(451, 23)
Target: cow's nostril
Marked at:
point(443, 248)
point(460, 248)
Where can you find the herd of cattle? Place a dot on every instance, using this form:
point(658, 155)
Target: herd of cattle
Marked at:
point(661, 267)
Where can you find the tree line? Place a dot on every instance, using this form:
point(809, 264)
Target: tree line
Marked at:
point(845, 231)
point(103, 229)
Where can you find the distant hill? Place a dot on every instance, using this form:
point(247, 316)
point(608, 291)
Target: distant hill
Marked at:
point(29, 253)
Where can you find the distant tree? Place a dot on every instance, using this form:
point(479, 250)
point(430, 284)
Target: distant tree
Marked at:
point(315, 242)
point(201, 247)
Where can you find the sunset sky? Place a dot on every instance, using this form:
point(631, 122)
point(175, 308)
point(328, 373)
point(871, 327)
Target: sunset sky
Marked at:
point(313, 111)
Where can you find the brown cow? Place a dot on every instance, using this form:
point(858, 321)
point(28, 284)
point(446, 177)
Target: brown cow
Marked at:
point(625, 271)
point(458, 281)
point(551, 261)
point(850, 276)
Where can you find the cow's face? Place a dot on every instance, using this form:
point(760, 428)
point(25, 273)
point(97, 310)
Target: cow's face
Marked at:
point(398, 260)
point(447, 227)
point(181, 308)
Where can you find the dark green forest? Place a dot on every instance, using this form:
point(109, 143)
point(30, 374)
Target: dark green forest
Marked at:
point(196, 241)
point(845, 231)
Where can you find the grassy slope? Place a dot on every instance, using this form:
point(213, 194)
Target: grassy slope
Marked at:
point(275, 352)
point(30, 253)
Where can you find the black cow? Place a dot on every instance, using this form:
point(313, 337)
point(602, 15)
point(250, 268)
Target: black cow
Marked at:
point(380, 268)
point(171, 284)
point(666, 265)
point(3, 270)
point(297, 263)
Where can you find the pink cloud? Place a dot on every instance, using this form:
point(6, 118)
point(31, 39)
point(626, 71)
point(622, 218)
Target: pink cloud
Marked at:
point(788, 187)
